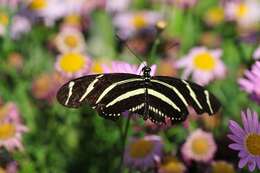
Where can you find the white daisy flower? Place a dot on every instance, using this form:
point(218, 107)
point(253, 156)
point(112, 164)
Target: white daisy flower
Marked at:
point(204, 65)
point(70, 40)
point(245, 13)
point(130, 22)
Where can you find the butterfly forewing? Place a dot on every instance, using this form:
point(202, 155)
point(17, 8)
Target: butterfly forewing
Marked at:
point(88, 88)
point(70, 93)
point(102, 92)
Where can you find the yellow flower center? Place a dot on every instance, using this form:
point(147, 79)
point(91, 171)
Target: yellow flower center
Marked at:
point(252, 143)
point(3, 112)
point(141, 148)
point(222, 166)
point(72, 62)
point(41, 85)
point(71, 41)
point(4, 20)
point(38, 4)
point(7, 131)
point(173, 167)
point(139, 21)
point(215, 15)
point(204, 61)
point(2, 170)
point(72, 19)
point(96, 68)
point(200, 146)
point(241, 10)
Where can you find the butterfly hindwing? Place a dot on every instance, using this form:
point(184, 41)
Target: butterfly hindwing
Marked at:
point(164, 102)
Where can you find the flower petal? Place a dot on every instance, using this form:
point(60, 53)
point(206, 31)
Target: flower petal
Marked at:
point(236, 146)
point(244, 120)
point(243, 154)
point(243, 162)
point(258, 162)
point(249, 120)
point(255, 121)
point(235, 139)
point(251, 165)
point(236, 129)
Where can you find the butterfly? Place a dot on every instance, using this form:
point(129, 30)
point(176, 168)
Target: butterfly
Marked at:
point(153, 97)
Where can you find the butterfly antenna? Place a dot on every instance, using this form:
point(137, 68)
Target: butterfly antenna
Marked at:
point(127, 46)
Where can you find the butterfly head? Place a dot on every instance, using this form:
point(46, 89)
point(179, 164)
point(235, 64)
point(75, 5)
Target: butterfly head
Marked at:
point(146, 71)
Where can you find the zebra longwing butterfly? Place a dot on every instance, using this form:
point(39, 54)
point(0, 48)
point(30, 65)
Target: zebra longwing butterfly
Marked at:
point(154, 97)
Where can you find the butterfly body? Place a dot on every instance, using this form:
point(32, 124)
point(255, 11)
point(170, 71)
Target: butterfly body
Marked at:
point(152, 97)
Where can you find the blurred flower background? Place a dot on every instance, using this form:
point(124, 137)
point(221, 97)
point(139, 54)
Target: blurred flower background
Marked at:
point(45, 43)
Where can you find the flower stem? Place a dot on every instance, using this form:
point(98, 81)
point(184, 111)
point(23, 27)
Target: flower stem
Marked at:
point(154, 48)
point(124, 138)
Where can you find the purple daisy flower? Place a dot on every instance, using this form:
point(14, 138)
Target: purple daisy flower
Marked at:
point(251, 82)
point(246, 140)
point(142, 153)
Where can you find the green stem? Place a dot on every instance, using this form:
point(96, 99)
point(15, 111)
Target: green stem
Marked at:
point(154, 48)
point(130, 170)
point(124, 142)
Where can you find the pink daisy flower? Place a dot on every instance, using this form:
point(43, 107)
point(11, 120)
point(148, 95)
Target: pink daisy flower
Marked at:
point(10, 112)
point(11, 128)
point(123, 67)
point(73, 64)
point(142, 153)
point(11, 135)
point(257, 54)
point(246, 140)
point(199, 146)
point(204, 65)
point(45, 86)
point(251, 82)
point(11, 167)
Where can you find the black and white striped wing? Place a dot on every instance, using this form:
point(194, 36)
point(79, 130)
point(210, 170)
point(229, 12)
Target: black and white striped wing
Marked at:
point(113, 94)
point(171, 97)
point(109, 94)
